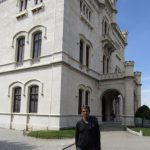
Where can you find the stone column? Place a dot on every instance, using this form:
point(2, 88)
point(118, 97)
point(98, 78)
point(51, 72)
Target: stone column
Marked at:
point(129, 93)
point(137, 76)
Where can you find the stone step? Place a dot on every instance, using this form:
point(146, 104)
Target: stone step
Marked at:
point(111, 126)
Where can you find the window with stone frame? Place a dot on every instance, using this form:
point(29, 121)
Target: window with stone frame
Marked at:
point(85, 10)
point(37, 42)
point(23, 5)
point(84, 53)
point(105, 27)
point(33, 101)
point(20, 49)
point(17, 99)
point(83, 98)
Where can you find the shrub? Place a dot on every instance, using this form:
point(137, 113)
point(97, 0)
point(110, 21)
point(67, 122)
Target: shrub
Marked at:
point(147, 113)
point(142, 111)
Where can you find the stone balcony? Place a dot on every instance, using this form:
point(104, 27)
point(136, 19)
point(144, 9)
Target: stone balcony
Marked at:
point(111, 76)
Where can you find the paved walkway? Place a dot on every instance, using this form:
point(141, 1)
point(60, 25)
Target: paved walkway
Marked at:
point(14, 140)
point(111, 140)
point(122, 140)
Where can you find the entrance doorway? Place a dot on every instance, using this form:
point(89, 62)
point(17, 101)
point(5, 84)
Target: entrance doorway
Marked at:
point(111, 106)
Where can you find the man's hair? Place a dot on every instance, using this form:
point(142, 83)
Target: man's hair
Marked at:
point(86, 107)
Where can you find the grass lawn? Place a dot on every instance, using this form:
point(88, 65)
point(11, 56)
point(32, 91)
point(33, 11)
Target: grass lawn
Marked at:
point(66, 133)
point(146, 131)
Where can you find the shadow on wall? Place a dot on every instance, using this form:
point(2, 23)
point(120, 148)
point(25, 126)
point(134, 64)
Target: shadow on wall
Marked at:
point(6, 145)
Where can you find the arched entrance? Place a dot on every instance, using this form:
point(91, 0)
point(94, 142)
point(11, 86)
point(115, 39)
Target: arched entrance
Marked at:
point(112, 106)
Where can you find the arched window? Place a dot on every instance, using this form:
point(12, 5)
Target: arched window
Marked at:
point(105, 26)
point(20, 49)
point(33, 99)
point(80, 100)
point(17, 99)
point(37, 41)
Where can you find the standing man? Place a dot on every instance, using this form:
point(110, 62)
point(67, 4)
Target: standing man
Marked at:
point(87, 131)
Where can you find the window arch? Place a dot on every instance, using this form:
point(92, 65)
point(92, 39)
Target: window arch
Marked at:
point(16, 99)
point(34, 92)
point(20, 48)
point(37, 42)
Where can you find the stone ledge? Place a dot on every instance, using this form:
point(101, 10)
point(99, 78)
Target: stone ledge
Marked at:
point(134, 132)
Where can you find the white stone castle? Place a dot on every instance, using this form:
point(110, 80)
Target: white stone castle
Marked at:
point(57, 55)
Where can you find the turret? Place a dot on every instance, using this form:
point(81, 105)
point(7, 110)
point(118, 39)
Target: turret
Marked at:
point(137, 76)
point(129, 66)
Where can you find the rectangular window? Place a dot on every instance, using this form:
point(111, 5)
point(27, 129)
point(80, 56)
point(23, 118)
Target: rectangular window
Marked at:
point(17, 99)
point(81, 52)
point(80, 100)
point(107, 65)
point(87, 55)
point(20, 49)
point(37, 41)
point(33, 99)
point(86, 97)
point(23, 5)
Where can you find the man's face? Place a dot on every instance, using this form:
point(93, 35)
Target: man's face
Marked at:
point(85, 113)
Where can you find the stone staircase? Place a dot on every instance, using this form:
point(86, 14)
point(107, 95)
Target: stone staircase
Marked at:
point(111, 126)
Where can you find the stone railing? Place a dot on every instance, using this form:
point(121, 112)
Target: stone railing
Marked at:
point(112, 76)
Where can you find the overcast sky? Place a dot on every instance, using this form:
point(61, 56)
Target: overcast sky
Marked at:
point(134, 16)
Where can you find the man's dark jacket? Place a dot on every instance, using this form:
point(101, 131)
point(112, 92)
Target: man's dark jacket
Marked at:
point(88, 134)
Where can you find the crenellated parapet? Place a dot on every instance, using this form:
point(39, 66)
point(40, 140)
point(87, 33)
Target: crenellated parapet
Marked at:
point(137, 76)
point(129, 67)
point(129, 63)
